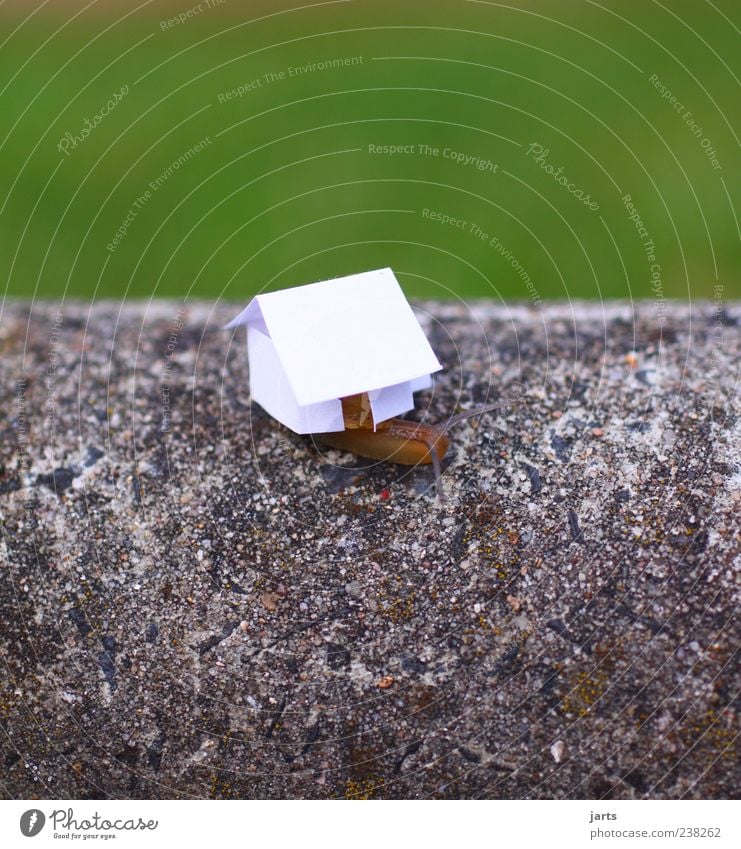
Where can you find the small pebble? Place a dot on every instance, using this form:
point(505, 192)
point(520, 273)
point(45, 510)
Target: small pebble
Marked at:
point(270, 601)
point(354, 589)
point(558, 750)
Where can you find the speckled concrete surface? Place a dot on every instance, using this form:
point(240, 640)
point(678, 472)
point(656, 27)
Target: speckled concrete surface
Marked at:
point(198, 603)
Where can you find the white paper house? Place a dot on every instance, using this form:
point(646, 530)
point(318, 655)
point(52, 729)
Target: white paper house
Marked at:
point(312, 345)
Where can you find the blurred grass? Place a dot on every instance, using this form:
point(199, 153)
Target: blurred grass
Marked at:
point(286, 191)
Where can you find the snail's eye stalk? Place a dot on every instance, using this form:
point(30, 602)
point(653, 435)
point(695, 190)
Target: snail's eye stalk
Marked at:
point(444, 426)
point(470, 414)
point(437, 467)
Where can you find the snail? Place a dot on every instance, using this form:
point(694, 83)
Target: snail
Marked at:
point(397, 440)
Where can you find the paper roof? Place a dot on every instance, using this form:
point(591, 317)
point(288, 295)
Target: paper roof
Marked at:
point(311, 345)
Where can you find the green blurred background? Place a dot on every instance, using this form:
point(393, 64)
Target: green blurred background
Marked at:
point(278, 184)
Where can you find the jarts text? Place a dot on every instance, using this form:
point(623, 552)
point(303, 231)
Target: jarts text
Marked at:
point(597, 816)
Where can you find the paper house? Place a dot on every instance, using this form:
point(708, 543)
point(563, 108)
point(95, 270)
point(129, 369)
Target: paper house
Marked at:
point(312, 345)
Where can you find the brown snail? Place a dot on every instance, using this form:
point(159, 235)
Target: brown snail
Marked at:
point(397, 440)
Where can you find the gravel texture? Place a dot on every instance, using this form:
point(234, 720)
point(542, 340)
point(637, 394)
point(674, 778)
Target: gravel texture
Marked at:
point(199, 603)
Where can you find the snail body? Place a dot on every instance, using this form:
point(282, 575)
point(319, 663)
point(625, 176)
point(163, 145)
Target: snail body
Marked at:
point(395, 440)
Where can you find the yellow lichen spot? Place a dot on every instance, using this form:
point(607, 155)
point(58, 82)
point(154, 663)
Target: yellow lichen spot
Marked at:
point(584, 692)
point(364, 788)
